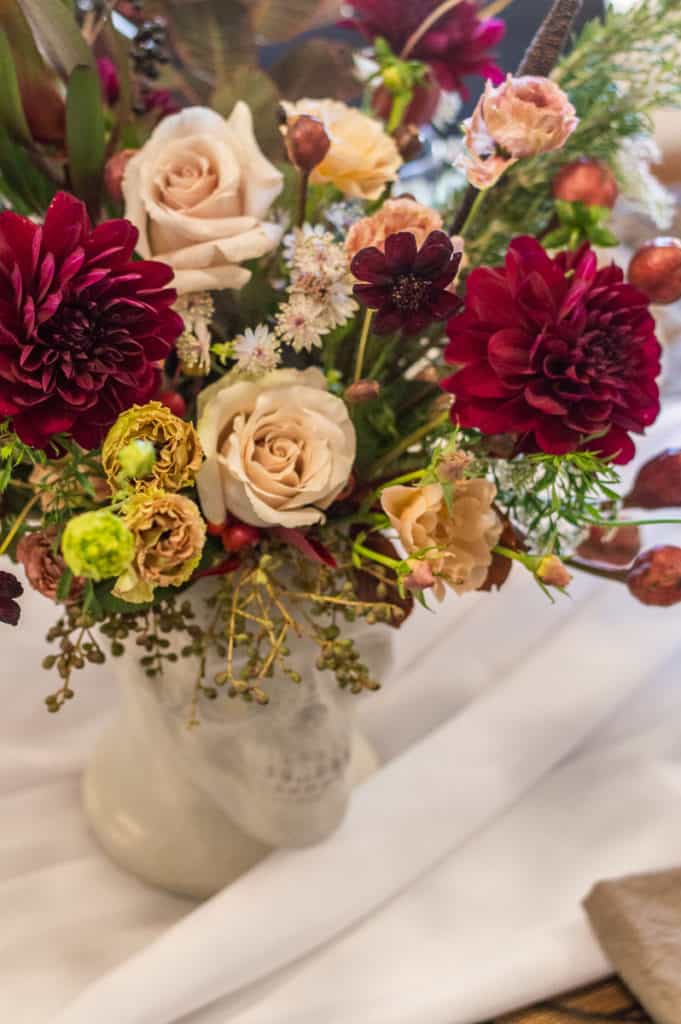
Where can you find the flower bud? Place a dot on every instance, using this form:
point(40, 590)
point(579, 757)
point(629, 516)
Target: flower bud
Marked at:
point(108, 77)
point(655, 577)
point(586, 181)
point(240, 536)
point(114, 171)
point(658, 484)
point(362, 391)
point(409, 142)
point(656, 270)
point(616, 546)
point(421, 576)
point(306, 142)
point(136, 459)
point(553, 573)
point(174, 401)
point(420, 111)
point(453, 467)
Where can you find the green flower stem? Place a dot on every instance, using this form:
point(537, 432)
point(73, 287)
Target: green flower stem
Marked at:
point(473, 212)
point(375, 556)
point(612, 524)
point(362, 347)
point(19, 521)
point(304, 185)
point(408, 441)
point(406, 478)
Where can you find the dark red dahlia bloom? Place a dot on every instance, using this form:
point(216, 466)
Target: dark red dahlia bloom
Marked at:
point(555, 351)
point(407, 285)
point(457, 45)
point(81, 325)
point(10, 588)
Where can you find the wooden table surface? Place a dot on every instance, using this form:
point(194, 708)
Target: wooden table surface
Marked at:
point(607, 1002)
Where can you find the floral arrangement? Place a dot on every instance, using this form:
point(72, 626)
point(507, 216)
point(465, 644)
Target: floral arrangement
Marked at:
point(233, 347)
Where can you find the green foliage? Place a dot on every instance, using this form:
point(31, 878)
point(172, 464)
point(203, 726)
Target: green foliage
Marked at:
point(618, 72)
point(551, 495)
point(11, 110)
point(57, 34)
point(14, 453)
point(579, 223)
point(85, 136)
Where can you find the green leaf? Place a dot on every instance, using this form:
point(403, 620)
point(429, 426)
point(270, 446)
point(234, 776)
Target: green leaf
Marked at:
point(21, 183)
point(64, 585)
point(85, 136)
point(257, 89)
point(11, 110)
point(56, 33)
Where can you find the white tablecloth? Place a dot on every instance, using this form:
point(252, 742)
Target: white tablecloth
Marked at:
point(530, 750)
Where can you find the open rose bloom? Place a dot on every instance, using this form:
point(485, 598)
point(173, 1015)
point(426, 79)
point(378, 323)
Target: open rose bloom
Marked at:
point(199, 193)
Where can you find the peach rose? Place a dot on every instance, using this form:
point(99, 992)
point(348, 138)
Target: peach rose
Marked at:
point(402, 214)
point(279, 450)
point(457, 542)
point(520, 118)
point(198, 192)
point(362, 158)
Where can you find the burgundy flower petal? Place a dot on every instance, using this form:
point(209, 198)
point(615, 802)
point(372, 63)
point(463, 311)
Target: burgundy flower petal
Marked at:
point(82, 325)
point(555, 351)
point(370, 265)
point(401, 253)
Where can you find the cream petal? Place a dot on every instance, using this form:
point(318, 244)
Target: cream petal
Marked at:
point(261, 181)
point(211, 279)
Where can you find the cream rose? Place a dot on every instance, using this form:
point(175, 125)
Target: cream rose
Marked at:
point(362, 158)
point(455, 541)
point(279, 450)
point(198, 192)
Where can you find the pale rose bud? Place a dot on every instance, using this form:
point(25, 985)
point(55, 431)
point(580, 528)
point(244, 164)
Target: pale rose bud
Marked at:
point(656, 270)
point(655, 577)
point(362, 391)
point(306, 141)
point(114, 171)
point(421, 576)
point(553, 573)
point(454, 466)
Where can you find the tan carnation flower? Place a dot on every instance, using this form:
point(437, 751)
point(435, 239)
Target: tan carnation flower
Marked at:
point(520, 118)
point(362, 158)
point(178, 448)
point(169, 537)
point(44, 565)
point(458, 541)
point(402, 214)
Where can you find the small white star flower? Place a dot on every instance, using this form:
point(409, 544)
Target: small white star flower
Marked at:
point(256, 350)
point(301, 322)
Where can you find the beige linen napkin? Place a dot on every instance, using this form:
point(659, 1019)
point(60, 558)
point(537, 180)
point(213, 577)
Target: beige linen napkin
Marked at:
point(637, 921)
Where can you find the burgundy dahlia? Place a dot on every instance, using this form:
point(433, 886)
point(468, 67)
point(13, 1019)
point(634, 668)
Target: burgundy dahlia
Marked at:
point(457, 44)
point(81, 325)
point(10, 588)
point(407, 285)
point(556, 352)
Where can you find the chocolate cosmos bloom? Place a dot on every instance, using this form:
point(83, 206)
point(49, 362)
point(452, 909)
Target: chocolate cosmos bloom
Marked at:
point(456, 45)
point(82, 326)
point(407, 285)
point(556, 352)
point(9, 589)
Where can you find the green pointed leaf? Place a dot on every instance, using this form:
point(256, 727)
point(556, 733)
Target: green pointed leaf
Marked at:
point(56, 33)
point(85, 136)
point(11, 109)
point(258, 90)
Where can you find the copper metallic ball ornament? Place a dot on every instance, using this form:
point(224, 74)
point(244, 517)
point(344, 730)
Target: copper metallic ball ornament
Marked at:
point(586, 181)
point(656, 270)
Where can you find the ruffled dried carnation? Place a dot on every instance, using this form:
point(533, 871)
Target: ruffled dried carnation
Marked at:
point(178, 448)
point(456, 541)
point(44, 565)
point(402, 214)
point(169, 536)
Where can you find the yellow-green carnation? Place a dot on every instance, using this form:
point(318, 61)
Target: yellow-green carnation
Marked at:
point(97, 545)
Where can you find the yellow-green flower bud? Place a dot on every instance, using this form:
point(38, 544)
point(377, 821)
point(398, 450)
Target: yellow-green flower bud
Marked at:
point(97, 545)
point(136, 459)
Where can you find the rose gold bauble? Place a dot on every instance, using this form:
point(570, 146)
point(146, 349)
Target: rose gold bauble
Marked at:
point(586, 181)
point(656, 270)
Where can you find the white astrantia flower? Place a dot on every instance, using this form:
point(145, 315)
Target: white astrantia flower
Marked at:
point(296, 238)
point(301, 322)
point(193, 346)
point(339, 304)
point(638, 184)
point(256, 350)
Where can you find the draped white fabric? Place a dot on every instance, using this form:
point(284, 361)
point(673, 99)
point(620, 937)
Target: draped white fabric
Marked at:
point(530, 750)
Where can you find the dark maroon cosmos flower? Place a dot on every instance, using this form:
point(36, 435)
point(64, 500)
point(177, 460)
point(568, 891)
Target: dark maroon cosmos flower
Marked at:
point(407, 285)
point(81, 325)
point(556, 352)
point(458, 43)
point(10, 588)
